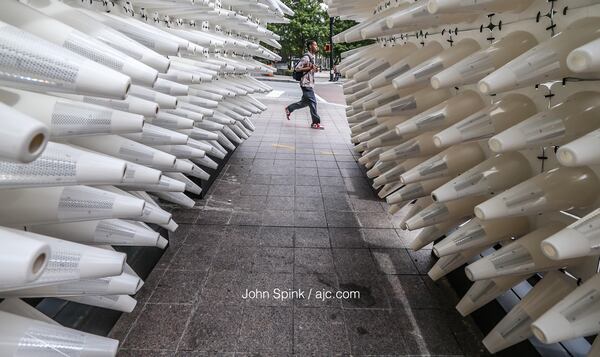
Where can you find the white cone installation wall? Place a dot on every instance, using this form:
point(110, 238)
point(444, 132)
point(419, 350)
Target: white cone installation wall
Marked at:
point(102, 110)
point(478, 123)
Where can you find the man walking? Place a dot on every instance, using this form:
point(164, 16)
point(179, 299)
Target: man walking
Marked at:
point(306, 67)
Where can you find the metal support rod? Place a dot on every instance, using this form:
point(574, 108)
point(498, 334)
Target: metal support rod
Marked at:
point(331, 74)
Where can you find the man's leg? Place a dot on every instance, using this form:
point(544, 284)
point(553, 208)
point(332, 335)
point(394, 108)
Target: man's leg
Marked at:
point(312, 104)
point(299, 105)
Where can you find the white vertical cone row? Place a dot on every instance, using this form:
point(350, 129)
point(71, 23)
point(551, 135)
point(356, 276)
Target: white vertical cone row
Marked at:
point(63, 165)
point(576, 116)
point(66, 118)
point(508, 111)
point(123, 303)
point(544, 193)
point(516, 325)
point(544, 62)
point(575, 315)
point(577, 240)
point(480, 234)
point(64, 204)
point(29, 337)
point(23, 139)
point(493, 175)
point(54, 68)
point(523, 256)
point(484, 291)
point(110, 231)
point(481, 63)
point(22, 259)
point(581, 152)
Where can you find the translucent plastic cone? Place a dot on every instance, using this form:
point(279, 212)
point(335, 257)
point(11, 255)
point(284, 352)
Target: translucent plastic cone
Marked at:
point(415, 190)
point(123, 303)
point(176, 197)
point(507, 112)
point(22, 259)
point(432, 233)
point(439, 212)
point(458, 6)
point(581, 152)
point(155, 135)
point(577, 240)
point(414, 103)
point(559, 189)
point(23, 139)
point(131, 104)
point(421, 146)
point(493, 175)
point(23, 336)
point(449, 263)
point(484, 291)
point(585, 58)
point(516, 325)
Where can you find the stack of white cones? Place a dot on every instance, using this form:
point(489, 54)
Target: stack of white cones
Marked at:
point(480, 137)
point(103, 114)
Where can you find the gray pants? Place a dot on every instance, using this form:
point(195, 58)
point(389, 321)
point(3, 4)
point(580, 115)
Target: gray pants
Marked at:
point(308, 100)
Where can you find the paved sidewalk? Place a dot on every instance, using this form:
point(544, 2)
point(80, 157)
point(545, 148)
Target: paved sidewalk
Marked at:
point(293, 210)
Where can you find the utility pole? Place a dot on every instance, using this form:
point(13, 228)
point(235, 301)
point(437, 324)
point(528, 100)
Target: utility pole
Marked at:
point(331, 20)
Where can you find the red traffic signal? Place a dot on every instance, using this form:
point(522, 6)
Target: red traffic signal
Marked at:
point(327, 47)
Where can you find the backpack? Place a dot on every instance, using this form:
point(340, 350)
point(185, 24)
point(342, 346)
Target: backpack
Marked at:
point(299, 75)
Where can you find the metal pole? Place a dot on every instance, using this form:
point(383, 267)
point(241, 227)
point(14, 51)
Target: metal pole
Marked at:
point(331, 19)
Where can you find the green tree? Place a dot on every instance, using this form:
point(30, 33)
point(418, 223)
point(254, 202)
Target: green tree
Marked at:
point(311, 22)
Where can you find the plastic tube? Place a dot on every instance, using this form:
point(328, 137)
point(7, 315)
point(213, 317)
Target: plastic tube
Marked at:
point(432, 233)
point(516, 325)
point(421, 146)
point(414, 208)
point(576, 116)
point(484, 291)
point(558, 189)
point(523, 256)
point(156, 135)
point(481, 234)
point(130, 104)
point(123, 303)
point(414, 103)
point(575, 315)
point(177, 198)
point(22, 259)
point(581, 152)
point(63, 165)
point(415, 190)
point(579, 239)
point(53, 68)
point(64, 204)
point(110, 231)
point(416, 16)
point(424, 71)
point(493, 175)
point(507, 112)
point(394, 173)
point(439, 212)
point(483, 62)
point(23, 139)
point(444, 114)
point(486, 6)
point(450, 162)
point(21, 335)
point(544, 62)
point(449, 263)
point(585, 58)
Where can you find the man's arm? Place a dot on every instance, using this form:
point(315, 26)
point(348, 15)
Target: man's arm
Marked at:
point(304, 65)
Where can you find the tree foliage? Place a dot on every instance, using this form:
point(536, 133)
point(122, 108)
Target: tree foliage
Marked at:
point(311, 22)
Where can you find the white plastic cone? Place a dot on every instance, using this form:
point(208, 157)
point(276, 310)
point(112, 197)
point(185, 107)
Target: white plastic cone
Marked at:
point(394, 173)
point(22, 259)
point(30, 337)
point(190, 185)
point(523, 256)
point(19, 307)
point(123, 303)
point(577, 240)
point(576, 116)
point(126, 149)
point(416, 16)
point(164, 101)
point(170, 121)
point(450, 162)
point(64, 204)
point(169, 87)
point(423, 72)
point(413, 209)
point(583, 151)
point(176, 197)
point(439, 212)
point(120, 284)
point(63, 165)
point(481, 234)
point(156, 135)
point(443, 114)
point(65, 117)
point(415, 190)
point(23, 139)
point(110, 231)
point(58, 33)
point(181, 151)
point(53, 68)
point(139, 174)
point(516, 325)
point(481, 63)
point(576, 315)
point(432, 233)
point(166, 184)
point(414, 103)
point(558, 189)
point(130, 104)
point(449, 263)
point(544, 62)
point(585, 58)
point(421, 146)
point(484, 291)
point(493, 175)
